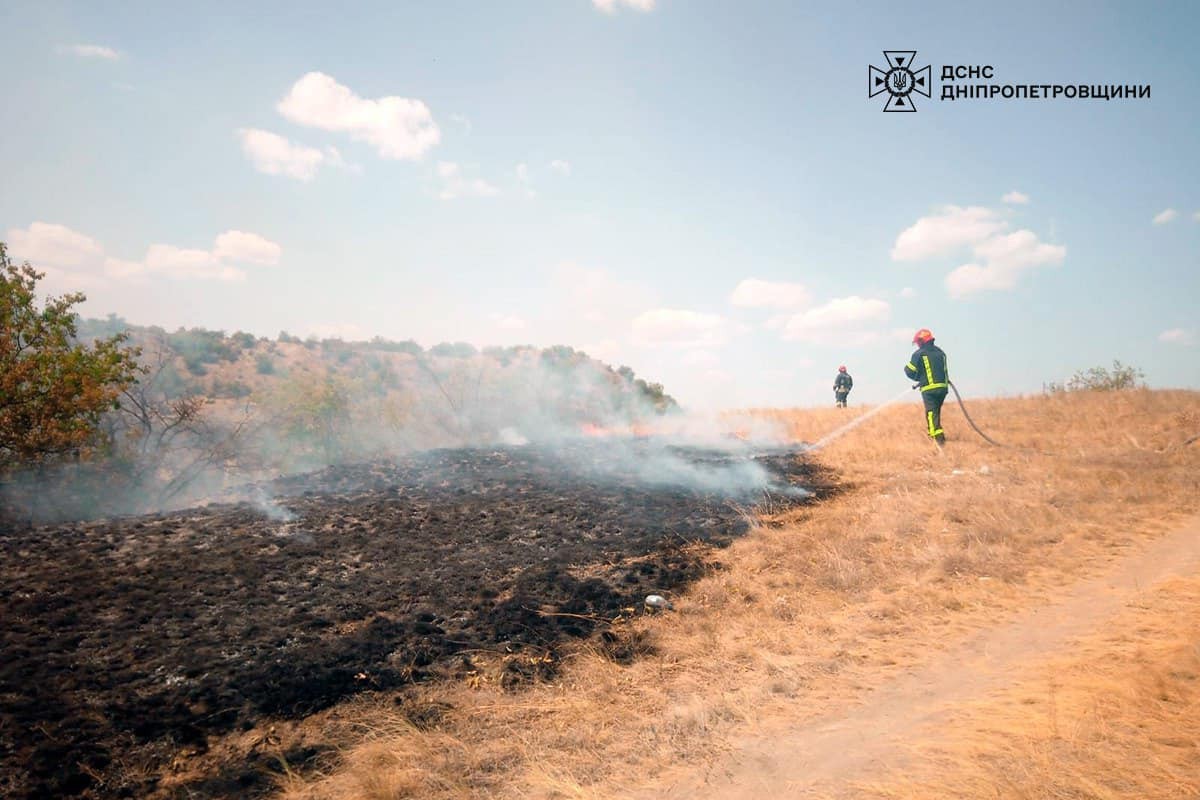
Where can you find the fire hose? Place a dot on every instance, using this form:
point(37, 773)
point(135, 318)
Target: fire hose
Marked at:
point(970, 421)
point(992, 441)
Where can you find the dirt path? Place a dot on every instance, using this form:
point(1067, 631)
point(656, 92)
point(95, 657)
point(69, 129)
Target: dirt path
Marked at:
point(825, 757)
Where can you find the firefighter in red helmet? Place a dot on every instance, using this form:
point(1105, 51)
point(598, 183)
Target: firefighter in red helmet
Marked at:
point(842, 385)
point(928, 368)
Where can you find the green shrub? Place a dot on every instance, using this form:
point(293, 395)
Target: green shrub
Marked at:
point(243, 340)
point(234, 389)
point(195, 365)
point(453, 349)
point(1099, 379)
point(407, 346)
point(198, 346)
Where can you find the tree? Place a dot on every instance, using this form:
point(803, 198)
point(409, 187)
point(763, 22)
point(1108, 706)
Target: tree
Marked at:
point(454, 349)
point(53, 388)
point(315, 414)
point(164, 443)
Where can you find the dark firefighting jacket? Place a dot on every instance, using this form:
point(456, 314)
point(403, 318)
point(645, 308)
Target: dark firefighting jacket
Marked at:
point(928, 367)
point(843, 382)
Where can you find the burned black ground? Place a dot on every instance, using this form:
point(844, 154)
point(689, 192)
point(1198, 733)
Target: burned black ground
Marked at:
point(125, 641)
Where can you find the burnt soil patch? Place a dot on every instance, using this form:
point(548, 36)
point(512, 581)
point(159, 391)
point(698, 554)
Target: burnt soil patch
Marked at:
point(124, 642)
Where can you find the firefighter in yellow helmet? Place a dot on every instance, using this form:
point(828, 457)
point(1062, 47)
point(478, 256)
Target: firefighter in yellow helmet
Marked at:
point(928, 368)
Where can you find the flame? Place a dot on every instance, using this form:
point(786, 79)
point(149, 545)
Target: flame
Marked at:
point(635, 429)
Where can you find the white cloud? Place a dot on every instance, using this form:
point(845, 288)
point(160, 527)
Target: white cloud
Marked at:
point(1019, 250)
point(849, 320)
point(525, 180)
point(78, 260)
point(48, 245)
point(246, 248)
point(397, 127)
point(1001, 260)
point(908, 292)
point(179, 262)
point(1165, 216)
point(755, 293)
point(88, 51)
point(946, 232)
point(333, 157)
point(699, 358)
point(121, 268)
point(275, 155)
point(597, 295)
point(998, 260)
point(509, 322)
point(605, 349)
point(564, 167)
point(1196, 216)
point(679, 328)
point(971, 278)
point(610, 6)
point(1182, 336)
point(455, 184)
point(1015, 198)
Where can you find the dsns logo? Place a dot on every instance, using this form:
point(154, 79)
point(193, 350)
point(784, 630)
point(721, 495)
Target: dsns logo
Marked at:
point(899, 81)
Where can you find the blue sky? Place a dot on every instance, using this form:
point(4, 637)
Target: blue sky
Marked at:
point(701, 190)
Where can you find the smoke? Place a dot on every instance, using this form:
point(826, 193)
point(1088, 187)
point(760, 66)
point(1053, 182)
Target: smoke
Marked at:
point(732, 474)
point(510, 436)
point(180, 440)
point(270, 509)
point(709, 454)
point(734, 470)
point(698, 452)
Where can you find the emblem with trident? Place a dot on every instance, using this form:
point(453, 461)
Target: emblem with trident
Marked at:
point(899, 81)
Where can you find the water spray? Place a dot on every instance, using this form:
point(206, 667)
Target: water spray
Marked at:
point(854, 423)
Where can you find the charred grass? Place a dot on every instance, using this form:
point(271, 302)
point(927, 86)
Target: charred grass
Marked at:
point(173, 655)
point(819, 604)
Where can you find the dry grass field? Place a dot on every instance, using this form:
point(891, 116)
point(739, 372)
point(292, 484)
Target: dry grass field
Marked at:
point(1115, 716)
point(793, 654)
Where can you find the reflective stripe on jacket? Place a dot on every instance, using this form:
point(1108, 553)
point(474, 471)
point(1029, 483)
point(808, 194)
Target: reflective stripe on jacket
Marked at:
point(928, 367)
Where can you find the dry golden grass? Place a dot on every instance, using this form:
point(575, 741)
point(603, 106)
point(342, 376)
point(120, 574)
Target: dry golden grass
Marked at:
point(813, 608)
point(1117, 717)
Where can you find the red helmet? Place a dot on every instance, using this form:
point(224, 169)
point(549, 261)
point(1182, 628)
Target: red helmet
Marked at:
point(841, 369)
point(922, 336)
